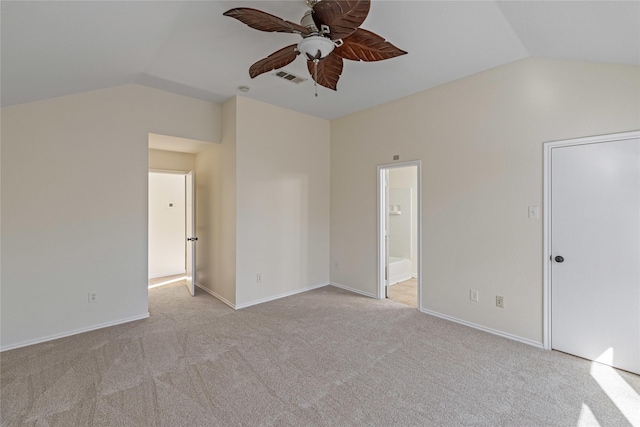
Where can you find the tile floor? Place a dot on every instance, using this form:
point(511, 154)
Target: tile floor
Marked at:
point(405, 292)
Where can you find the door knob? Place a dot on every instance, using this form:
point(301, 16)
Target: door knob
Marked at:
point(191, 239)
point(559, 259)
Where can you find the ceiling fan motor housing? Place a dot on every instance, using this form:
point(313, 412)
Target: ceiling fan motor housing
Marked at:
point(308, 23)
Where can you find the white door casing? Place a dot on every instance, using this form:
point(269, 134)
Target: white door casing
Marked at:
point(386, 233)
point(383, 206)
point(592, 221)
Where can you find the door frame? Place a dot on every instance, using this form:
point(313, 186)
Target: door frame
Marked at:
point(190, 231)
point(381, 212)
point(183, 173)
point(547, 226)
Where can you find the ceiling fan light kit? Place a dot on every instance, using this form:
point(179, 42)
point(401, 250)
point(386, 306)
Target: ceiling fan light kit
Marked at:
point(330, 33)
point(315, 47)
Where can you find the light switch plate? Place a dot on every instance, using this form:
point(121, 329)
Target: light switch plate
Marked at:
point(533, 212)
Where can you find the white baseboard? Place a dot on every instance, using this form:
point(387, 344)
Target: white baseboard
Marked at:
point(215, 295)
point(74, 332)
point(167, 274)
point(282, 295)
point(259, 301)
point(356, 291)
point(484, 328)
point(400, 278)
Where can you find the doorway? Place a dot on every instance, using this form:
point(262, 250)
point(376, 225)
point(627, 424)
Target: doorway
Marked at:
point(399, 224)
point(592, 249)
point(171, 229)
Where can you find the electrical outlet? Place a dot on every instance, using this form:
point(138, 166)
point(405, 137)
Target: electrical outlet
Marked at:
point(499, 301)
point(93, 297)
point(259, 278)
point(474, 295)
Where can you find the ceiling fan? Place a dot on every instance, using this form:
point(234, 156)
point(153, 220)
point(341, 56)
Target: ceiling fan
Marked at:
point(330, 33)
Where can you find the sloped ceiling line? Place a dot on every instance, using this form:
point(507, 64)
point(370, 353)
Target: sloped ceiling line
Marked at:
point(51, 49)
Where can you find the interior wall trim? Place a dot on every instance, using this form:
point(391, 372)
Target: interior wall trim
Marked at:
point(216, 296)
point(282, 295)
point(168, 171)
point(356, 291)
point(171, 273)
point(527, 341)
point(74, 332)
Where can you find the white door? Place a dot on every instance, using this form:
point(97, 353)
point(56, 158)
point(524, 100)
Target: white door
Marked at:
point(595, 252)
point(191, 238)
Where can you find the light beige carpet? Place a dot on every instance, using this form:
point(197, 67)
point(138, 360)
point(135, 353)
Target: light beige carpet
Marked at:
point(325, 357)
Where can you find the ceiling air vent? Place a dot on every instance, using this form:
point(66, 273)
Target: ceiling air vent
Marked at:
point(290, 77)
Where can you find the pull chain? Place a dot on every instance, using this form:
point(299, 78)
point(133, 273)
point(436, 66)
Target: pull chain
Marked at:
point(315, 75)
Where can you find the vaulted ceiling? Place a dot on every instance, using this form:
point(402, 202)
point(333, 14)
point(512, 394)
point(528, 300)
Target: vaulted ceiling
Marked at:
point(55, 48)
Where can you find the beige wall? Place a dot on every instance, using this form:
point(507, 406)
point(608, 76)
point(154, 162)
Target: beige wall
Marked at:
point(171, 160)
point(263, 204)
point(215, 180)
point(74, 205)
point(480, 140)
point(76, 225)
point(283, 201)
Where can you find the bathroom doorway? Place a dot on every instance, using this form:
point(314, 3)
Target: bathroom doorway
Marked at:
point(399, 245)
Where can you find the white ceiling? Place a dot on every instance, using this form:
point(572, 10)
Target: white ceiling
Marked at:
point(55, 48)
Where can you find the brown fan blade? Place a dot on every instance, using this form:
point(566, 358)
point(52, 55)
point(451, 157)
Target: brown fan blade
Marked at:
point(342, 17)
point(364, 45)
point(274, 61)
point(264, 21)
point(327, 72)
